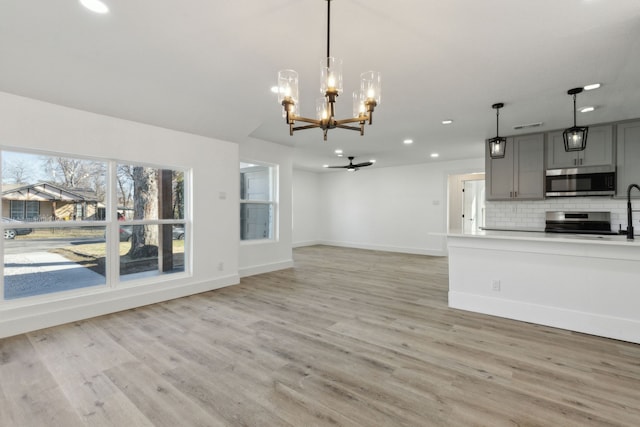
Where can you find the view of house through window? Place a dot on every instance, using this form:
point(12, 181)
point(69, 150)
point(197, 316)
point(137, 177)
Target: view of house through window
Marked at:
point(61, 230)
point(257, 201)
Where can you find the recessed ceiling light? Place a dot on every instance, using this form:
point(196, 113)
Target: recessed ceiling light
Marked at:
point(592, 86)
point(447, 122)
point(587, 109)
point(338, 151)
point(372, 160)
point(95, 6)
point(325, 166)
point(434, 155)
point(408, 141)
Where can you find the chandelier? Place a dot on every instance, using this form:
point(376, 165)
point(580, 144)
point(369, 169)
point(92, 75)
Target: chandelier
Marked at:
point(364, 102)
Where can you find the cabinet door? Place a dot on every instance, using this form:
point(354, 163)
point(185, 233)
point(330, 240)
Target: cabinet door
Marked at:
point(628, 164)
point(599, 149)
point(529, 167)
point(499, 174)
point(557, 158)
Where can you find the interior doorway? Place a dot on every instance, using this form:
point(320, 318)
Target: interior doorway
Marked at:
point(466, 203)
point(472, 205)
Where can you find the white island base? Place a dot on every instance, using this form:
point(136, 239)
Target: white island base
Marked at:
point(580, 283)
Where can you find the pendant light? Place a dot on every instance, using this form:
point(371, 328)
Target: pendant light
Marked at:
point(498, 144)
point(575, 138)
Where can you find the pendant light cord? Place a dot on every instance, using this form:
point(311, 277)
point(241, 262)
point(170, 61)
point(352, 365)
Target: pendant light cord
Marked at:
point(328, 29)
point(574, 110)
point(497, 114)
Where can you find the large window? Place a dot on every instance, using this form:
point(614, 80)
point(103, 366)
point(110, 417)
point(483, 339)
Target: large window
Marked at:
point(257, 201)
point(66, 226)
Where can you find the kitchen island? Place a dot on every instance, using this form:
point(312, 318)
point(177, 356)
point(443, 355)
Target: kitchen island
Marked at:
point(582, 283)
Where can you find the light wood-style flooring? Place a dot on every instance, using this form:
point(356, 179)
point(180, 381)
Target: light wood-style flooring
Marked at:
point(346, 338)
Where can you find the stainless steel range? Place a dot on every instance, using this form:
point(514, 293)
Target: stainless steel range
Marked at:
point(578, 222)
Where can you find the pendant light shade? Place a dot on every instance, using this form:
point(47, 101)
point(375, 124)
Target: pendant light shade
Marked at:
point(497, 144)
point(575, 138)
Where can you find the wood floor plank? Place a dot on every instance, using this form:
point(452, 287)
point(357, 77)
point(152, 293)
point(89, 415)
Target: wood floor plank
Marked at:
point(345, 338)
point(30, 394)
point(160, 402)
point(76, 355)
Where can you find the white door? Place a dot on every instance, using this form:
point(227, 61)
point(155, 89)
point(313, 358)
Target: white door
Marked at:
point(473, 206)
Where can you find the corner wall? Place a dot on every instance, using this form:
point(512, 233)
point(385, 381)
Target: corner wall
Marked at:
point(306, 207)
point(262, 256)
point(397, 209)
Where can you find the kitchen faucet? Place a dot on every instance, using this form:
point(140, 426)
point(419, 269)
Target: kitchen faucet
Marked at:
point(629, 216)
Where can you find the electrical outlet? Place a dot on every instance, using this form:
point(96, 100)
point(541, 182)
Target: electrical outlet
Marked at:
point(495, 285)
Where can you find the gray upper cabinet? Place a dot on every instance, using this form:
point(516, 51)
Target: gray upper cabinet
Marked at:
point(520, 174)
point(628, 153)
point(599, 149)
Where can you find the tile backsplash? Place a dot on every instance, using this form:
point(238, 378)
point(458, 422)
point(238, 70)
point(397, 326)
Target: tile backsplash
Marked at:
point(531, 214)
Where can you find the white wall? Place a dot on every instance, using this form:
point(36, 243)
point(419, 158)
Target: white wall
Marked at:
point(306, 207)
point(393, 209)
point(31, 124)
point(268, 255)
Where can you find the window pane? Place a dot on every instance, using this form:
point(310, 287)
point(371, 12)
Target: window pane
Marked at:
point(33, 210)
point(255, 182)
point(49, 188)
point(146, 193)
point(256, 221)
point(43, 261)
point(17, 209)
point(144, 252)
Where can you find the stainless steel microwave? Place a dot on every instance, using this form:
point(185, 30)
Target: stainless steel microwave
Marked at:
point(582, 181)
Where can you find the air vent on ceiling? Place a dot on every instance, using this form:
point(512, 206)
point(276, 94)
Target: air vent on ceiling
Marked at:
point(530, 125)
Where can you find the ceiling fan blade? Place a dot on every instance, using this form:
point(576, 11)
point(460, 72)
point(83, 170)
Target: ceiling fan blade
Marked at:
point(338, 167)
point(363, 164)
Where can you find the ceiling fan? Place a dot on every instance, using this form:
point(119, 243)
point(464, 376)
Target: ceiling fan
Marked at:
point(351, 167)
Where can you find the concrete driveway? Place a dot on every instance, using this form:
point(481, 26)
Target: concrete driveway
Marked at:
point(36, 273)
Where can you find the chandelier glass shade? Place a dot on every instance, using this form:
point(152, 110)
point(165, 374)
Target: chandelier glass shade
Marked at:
point(575, 138)
point(331, 86)
point(497, 144)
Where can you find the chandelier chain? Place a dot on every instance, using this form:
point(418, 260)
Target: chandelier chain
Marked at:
point(328, 28)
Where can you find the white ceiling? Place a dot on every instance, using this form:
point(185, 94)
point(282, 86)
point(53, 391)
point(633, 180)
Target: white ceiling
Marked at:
point(206, 67)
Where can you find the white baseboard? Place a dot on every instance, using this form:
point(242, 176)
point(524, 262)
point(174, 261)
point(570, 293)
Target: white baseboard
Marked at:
point(384, 248)
point(25, 318)
point(305, 243)
point(265, 268)
point(579, 321)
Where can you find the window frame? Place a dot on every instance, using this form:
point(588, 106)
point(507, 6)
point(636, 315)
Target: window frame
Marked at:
point(273, 203)
point(110, 223)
